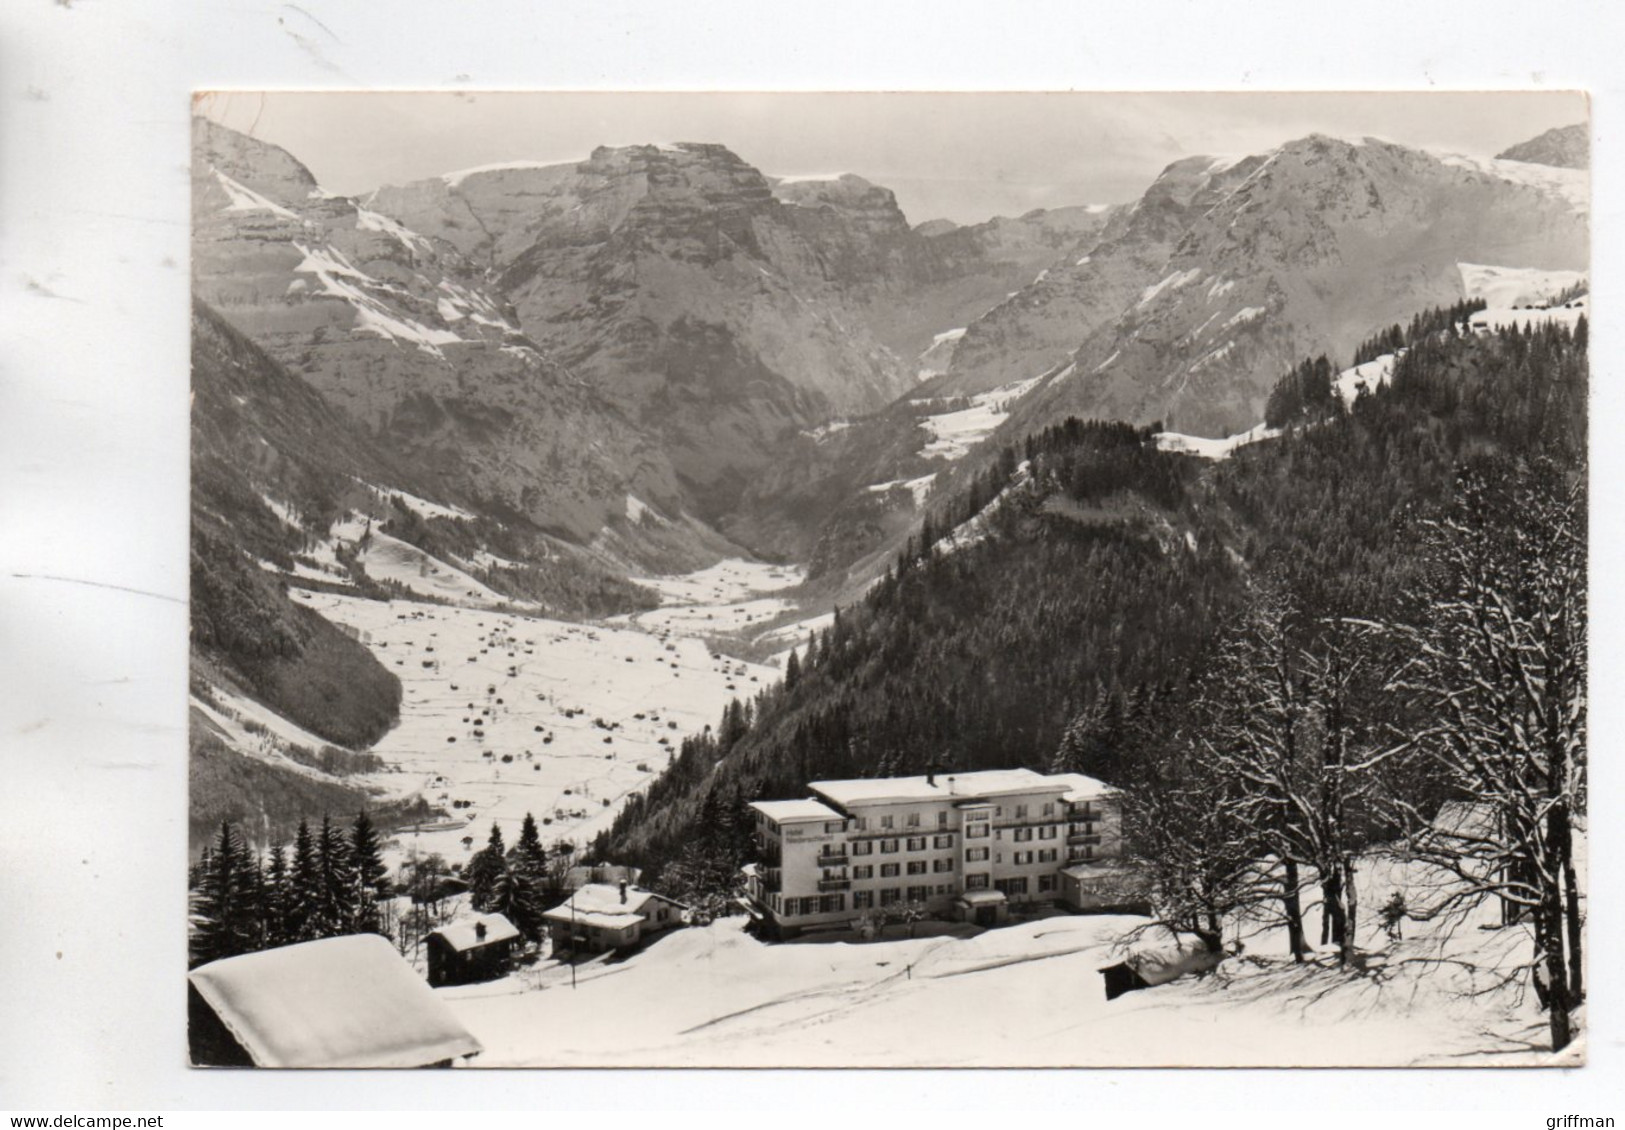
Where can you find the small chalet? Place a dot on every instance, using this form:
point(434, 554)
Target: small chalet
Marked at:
point(478, 948)
point(350, 1001)
point(601, 917)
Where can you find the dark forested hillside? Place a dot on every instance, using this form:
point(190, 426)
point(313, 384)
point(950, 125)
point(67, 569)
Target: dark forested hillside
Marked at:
point(1093, 592)
point(258, 429)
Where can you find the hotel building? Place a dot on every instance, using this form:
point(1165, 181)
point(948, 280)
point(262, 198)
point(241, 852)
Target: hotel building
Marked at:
point(965, 846)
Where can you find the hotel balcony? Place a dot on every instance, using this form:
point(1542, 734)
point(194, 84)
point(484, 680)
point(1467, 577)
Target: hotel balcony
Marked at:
point(1084, 838)
point(832, 859)
point(834, 884)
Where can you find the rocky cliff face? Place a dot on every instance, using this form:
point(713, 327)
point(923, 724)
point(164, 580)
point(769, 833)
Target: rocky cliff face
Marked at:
point(1320, 244)
point(1037, 327)
point(721, 309)
point(1227, 272)
point(401, 333)
point(1196, 299)
point(1566, 147)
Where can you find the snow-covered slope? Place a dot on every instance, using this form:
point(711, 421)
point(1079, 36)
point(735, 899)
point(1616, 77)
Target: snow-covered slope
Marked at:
point(713, 996)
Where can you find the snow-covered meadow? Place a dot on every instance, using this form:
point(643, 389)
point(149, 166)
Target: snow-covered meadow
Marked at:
point(1025, 995)
point(504, 714)
point(954, 434)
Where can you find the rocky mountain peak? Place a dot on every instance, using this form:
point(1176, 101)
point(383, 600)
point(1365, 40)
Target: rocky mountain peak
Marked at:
point(257, 165)
point(1565, 147)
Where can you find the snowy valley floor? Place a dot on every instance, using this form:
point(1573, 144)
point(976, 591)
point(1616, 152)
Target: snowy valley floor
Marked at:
point(1024, 995)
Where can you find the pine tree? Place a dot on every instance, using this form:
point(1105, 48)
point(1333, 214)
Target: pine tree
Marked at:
point(225, 911)
point(274, 910)
point(515, 894)
point(305, 889)
point(370, 874)
point(488, 863)
point(336, 889)
point(528, 854)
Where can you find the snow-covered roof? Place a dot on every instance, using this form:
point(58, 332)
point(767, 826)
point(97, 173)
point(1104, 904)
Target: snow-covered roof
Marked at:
point(602, 921)
point(790, 811)
point(1081, 788)
point(464, 934)
point(944, 786)
point(1104, 869)
point(605, 899)
point(350, 1001)
point(982, 898)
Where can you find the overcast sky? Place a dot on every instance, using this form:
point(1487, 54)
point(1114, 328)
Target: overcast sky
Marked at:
point(961, 156)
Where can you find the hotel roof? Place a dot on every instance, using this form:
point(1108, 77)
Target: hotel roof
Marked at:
point(791, 811)
point(956, 786)
point(1081, 788)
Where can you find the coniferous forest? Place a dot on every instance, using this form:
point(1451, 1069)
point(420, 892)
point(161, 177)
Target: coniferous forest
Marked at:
point(1117, 610)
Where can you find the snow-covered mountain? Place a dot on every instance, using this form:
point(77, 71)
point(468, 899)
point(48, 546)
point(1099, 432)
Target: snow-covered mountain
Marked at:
point(1303, 250)
point(719, 307)
point(1194, 300)
point(1567, 147)
point(402, 334)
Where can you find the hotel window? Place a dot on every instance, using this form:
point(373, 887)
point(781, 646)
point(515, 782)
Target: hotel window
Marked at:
point(942, 818)
point(1023, 857)
point(916, 867)
point(942, 841)
point(866, 871)
point(862, 823)
point(976, 832)
point(1048, 855)
point(918, 894)
point(833, 904)
point(1047, 832)
point(945, 889)
point(1049, 808)
point(1012, 886)
point(1084, 852)
point(975, 882)
point(913, 819)
point(1022, 835)
point(942, 864)
point(1046, 883)
point(976, 855)
point(862, 900)
point(888, 870)
point(833, 826)
point(1084, 811)
point(863, 847)
point(1021, 812)
point(886, 821)
point(887, 847)
point(890, 895)
point(916, 843)
point(998, 810)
